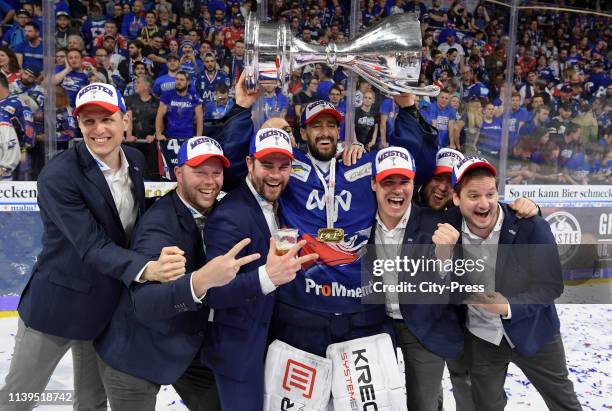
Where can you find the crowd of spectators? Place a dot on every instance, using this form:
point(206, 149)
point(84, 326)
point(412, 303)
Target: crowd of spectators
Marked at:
point(177, 63)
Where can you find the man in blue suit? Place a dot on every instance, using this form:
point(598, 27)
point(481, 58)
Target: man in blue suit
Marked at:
point(158, 328)
point(426, 333)
point(236, 340)
point(518, 321)
point(90, 197)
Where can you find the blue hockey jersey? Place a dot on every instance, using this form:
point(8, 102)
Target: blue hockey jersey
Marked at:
point(333, 282)
point(206, 85)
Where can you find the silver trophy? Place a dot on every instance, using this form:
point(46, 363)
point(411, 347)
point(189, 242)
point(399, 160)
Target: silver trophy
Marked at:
point(388, 55)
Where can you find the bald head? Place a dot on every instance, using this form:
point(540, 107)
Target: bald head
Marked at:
point(275, 122)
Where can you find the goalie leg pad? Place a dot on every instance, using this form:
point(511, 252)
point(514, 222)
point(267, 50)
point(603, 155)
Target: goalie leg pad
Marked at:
point(296, 380)
point(366, 375)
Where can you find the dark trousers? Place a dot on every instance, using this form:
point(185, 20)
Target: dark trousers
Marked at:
point(462, 385)
point(197, 388)
point(240, 395)
point(546, 370)
point(424, 370)
point(125, 392)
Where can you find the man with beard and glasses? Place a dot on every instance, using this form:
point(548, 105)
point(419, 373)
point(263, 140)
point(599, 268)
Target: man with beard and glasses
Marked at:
point(177, 112)
point(210, 78)
point(234, 347)
point(333, 207)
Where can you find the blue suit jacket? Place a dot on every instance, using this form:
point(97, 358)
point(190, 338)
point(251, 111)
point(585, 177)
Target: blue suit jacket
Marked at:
point(529, 277)
point(158, 329)
point(236, 341)
point(436, 326)
point(76, 282)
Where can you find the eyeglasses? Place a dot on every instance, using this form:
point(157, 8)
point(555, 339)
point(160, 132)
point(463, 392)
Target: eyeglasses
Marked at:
point(101, 55)
point(288, 130)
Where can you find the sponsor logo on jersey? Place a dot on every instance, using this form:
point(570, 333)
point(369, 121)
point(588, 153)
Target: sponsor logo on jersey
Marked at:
point(336, 289)
point(317, 200)
point(358, 172)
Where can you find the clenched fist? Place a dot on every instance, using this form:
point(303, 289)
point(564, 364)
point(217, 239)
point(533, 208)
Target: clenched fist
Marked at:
point(445, 237)
point(169, 266)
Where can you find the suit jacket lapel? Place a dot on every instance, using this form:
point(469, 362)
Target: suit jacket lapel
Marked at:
point(412, 226)
point(186, 220)
point(255, 208)
point(136, 176)
point(506, 237)
point(93, 174)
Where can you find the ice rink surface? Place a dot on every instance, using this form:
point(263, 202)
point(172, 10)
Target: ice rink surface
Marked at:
point(587, 335)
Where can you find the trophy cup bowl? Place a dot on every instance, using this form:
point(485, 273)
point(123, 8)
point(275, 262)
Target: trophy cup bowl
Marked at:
point(387, 55)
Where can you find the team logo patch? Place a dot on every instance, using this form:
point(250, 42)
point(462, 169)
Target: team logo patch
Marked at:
point(300, 170)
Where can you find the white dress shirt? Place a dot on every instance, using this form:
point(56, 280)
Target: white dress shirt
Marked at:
point(269, 212)
point(122, 189)
point(484, 324)
point(390, 238)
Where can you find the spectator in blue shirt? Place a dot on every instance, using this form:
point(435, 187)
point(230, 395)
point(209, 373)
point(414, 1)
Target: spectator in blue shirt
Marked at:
point(323, 72)
point(94, 26)
point(167, 81)
point(71, 77)
point(189, 64)
point(178, 111)
point(30, 52)
point(518, 117)
point(443, 118)
point(220, 105)
point(275, 102)
point(210, 78)
point(489, 140)
point(134, 21)
point(471, 87)
point(15, 35)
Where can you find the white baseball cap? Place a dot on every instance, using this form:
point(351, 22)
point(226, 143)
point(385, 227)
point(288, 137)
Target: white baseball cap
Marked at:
point(101, 95)
point(271, 140)
point(469, 163)
point(196, 150)
point(393, 160)
point(316, 108)
point(446, 158)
